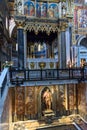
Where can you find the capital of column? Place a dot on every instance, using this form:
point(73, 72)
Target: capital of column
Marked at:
point(63, 26)
point(19, 24)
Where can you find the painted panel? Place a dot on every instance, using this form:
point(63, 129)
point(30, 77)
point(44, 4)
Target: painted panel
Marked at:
point(53, 10)
point(29, 8)
point(80, 19)
point(41, 9)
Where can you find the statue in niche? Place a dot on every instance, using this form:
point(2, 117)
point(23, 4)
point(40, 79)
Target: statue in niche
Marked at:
point(47, 98)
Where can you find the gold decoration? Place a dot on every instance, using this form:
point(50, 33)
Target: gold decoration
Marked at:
point(63, 26)
point(51, 65)
point(19, 24)
point(42, 65)
point(48, 28)
point(32, 65)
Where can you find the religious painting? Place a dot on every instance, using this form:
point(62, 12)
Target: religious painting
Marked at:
point(79, 1)
point(38, 10)
point(80, 19)
point(29, 8)
point(53, 10)
point(26, 10)
point(44, 10)
point(41, 9)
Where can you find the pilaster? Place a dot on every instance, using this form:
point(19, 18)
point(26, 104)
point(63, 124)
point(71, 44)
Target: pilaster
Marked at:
point(25, 48)
point(63, 49)
point(59, 49)
point(63, 26)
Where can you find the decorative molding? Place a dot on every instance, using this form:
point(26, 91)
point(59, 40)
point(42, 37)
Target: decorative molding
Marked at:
point(36, 27)
point(20, 24)
point(32, 65)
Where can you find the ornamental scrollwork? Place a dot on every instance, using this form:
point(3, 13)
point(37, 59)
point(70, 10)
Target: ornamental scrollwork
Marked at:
point(42, 27)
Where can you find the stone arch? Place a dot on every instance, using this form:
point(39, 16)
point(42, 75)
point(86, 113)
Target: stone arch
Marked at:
point(80, 39)
point(81, 49)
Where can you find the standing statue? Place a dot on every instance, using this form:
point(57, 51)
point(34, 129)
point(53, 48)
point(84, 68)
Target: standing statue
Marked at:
point(47, 97)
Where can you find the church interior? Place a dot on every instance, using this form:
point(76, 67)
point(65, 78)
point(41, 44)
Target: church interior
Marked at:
point(43, 64)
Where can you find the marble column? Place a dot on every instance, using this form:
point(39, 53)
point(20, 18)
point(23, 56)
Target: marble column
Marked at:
point(68, 46)
point(20, 41)
point(59, 49)
point(25, 49)
point(63, 50)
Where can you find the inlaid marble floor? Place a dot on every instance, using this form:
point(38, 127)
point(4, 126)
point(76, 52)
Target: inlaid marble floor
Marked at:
point(72, 122)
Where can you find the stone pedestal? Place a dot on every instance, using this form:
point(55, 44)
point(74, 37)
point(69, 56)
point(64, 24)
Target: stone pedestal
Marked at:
point(48, 114)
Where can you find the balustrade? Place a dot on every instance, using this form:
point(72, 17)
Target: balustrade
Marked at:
point(47, 74)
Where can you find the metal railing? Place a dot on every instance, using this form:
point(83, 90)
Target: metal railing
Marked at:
point(23, 75)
